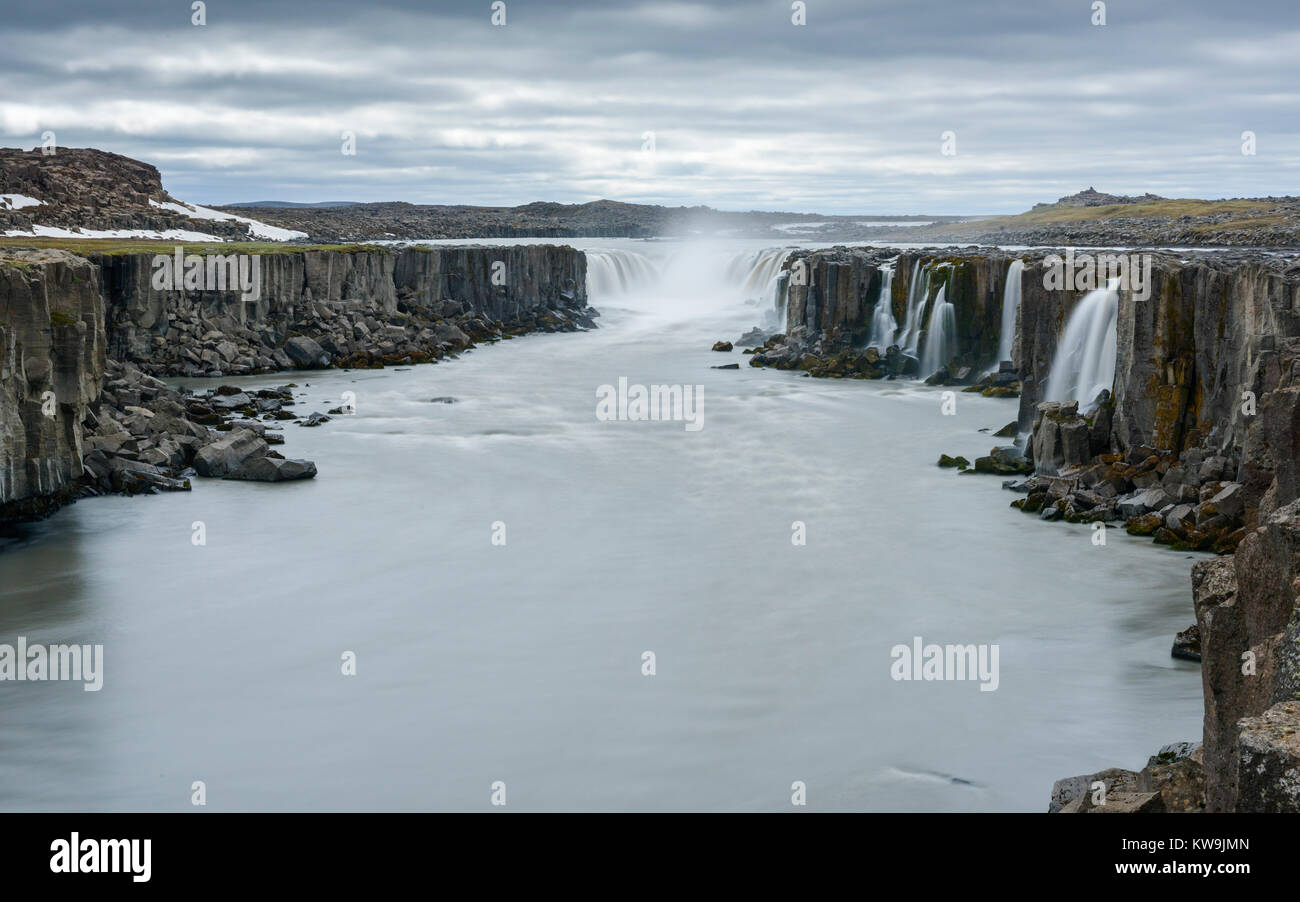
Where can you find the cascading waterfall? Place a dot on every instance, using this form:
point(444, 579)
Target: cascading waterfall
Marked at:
point(1084, 364)
point(757, 271)
point(614, 273)
point(883, 324)
point(760, 275)
point(1010, 307)
point(940, 335)
point(918, 289)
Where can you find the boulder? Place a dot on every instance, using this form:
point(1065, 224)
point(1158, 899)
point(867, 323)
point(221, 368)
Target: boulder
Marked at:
point(1073, 789)
point(273, 469)
point(305, 353)
point(1269, 761)
point(1061, 438)
point(1118, 803)
point(1231, 500)
point(1177, 773)
point(1187, 644)
point(228, 453)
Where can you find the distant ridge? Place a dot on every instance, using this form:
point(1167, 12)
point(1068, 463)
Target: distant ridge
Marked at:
point(289, 204)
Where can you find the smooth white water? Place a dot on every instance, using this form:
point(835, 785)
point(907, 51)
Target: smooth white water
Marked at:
point(1084, 364)
point(523, 662)
point(883, 325)
point(615, 272)
point(918, 291)
point(940, 335)
point(1010, 307)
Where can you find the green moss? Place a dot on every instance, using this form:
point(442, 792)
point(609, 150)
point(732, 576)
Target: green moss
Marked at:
point(59, 318)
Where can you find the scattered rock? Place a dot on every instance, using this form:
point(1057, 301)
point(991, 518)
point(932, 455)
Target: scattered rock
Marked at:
point(1187, 644)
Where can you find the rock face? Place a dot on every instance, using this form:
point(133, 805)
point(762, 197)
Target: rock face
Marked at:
point(1269, 773)
point(93, 189)
point(353, 307)
point(1173, 780)
point(83, 340)
point(52, 359)
point(1196, 444)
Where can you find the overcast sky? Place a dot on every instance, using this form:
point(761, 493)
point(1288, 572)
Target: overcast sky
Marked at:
point(748, 111)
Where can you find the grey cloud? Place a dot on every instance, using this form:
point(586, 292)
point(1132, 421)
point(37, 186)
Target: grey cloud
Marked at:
point(748, 111)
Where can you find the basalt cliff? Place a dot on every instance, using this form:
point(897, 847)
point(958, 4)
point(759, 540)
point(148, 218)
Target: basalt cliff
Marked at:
point(1194, 440)
point(84, 340)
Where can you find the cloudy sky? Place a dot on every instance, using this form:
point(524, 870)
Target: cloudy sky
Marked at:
point(748, 111)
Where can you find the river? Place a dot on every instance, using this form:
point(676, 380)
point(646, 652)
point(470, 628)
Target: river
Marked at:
point(522, 662)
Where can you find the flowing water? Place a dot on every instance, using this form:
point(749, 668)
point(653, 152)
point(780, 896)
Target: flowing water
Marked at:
point(1010, 307)
point(522, 662)
point(1084, 364)
point(883, 324)
point(940, 335)
point(917, 294)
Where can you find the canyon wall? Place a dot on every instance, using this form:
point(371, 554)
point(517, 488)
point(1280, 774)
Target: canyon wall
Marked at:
point(1198, 444)
point(322, 295)
point(63, 316)
point(51, 367)
point(1184, 355)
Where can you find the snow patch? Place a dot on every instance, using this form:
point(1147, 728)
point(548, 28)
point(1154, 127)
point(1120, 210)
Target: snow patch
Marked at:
point(41, 231)
point(257, 229)
point(18, 201)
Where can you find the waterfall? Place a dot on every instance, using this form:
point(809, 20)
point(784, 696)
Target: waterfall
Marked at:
point(757, 271)
point(614, 273)
point(940, 335)
point(916, 294)
point(760, 275)
point(1084, 363)
point(883, 324)
point(1010, 306)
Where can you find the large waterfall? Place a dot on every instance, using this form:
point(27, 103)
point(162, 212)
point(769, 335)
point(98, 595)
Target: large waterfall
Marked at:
point(1010, 306)
point(760, 276)
point(918, 288)
point(614, 273)
point(1084, 363)
point(940, 335)
point(883, 324)
point(757, 272)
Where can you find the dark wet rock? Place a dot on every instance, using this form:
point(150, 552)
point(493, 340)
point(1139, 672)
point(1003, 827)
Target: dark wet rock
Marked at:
point(722, 346)
point(306, 353)
point(316, 419)
point(959, 462)
point(228, 453)
point(1005, 460)
point(1187, 644)
point(1061, 438)
point(273, 469)
point(726, 366)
